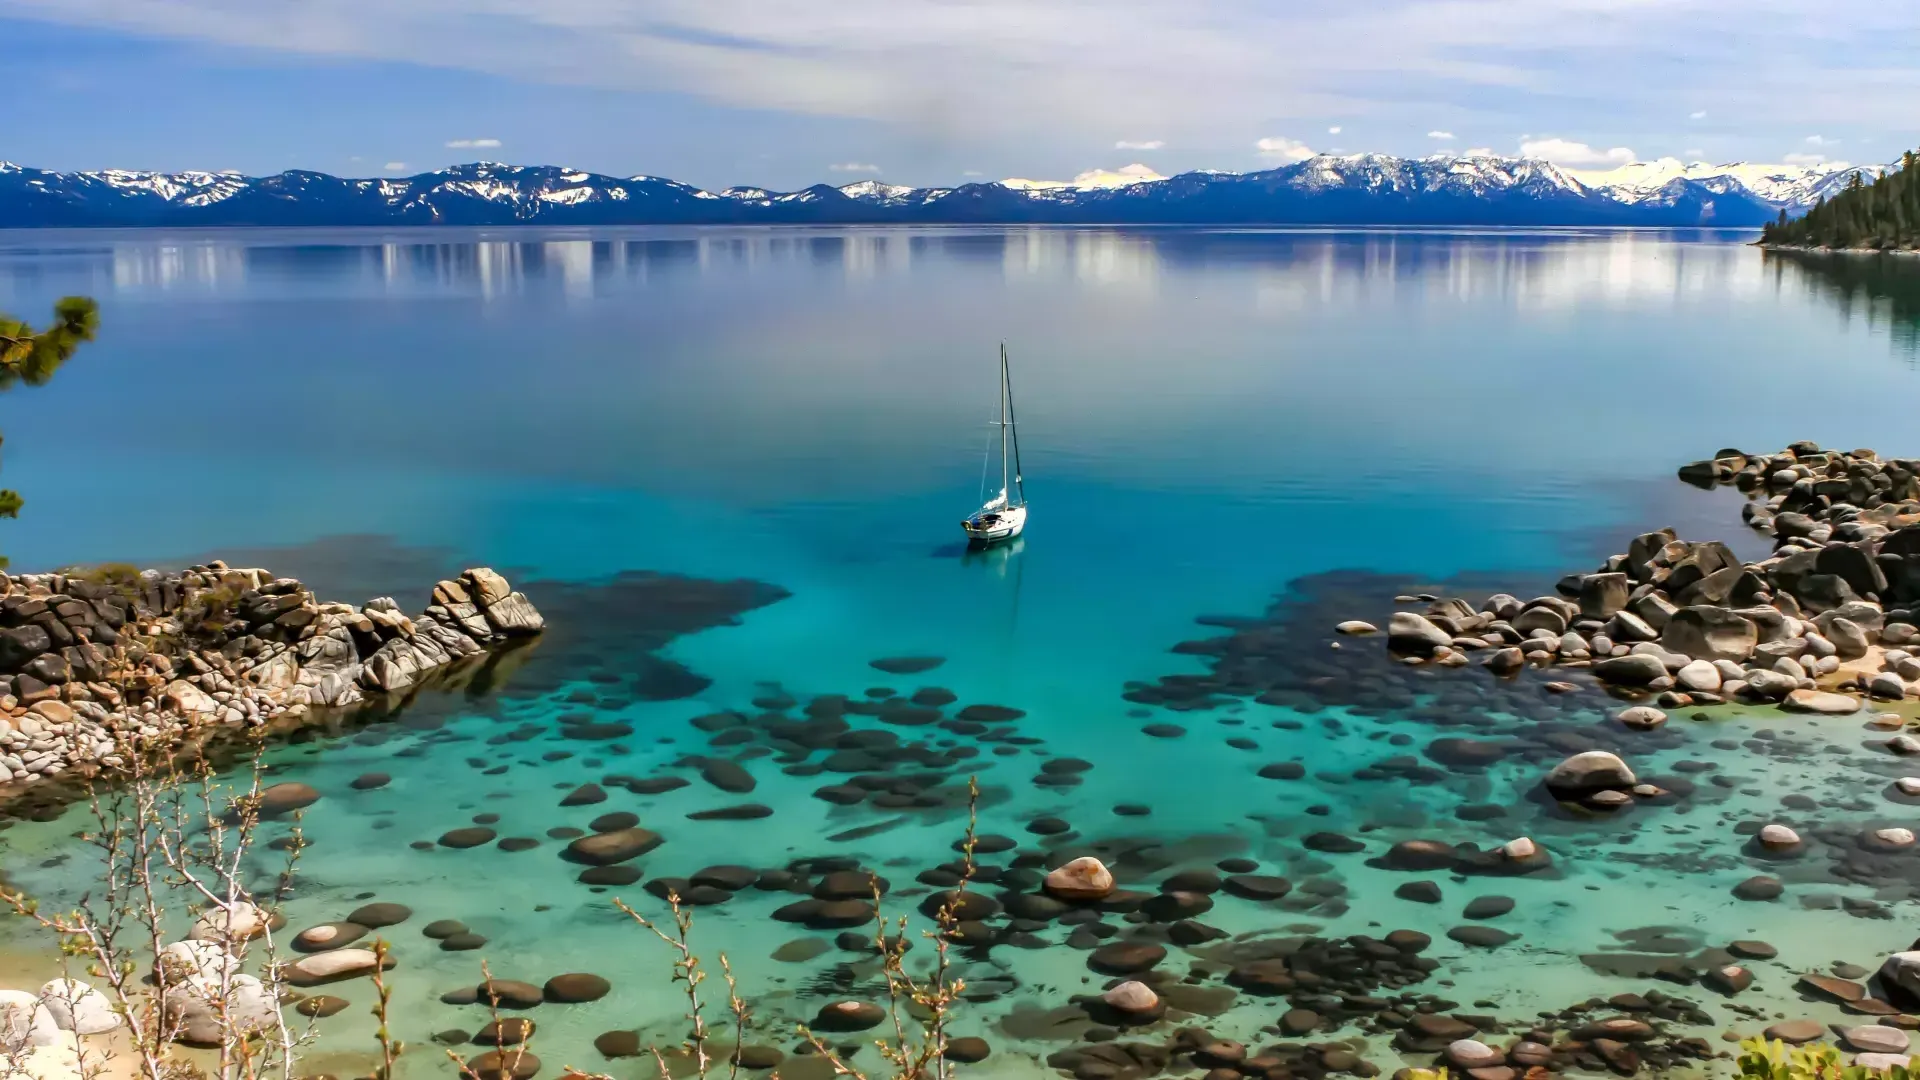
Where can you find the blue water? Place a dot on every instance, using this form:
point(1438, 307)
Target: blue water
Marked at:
point(1206, 416)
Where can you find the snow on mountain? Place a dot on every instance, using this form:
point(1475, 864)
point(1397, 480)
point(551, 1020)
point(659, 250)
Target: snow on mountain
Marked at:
point(1789, 187)
point(876, 192)
point(1479, 189)
point(1091, 180)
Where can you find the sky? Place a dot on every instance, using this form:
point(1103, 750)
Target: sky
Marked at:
point(785, 93)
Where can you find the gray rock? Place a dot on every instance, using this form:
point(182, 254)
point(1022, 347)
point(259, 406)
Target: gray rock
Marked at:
point(1654, 609)
point(1699, 675)
point(1584, 773)
point(1631, 670)
point(1902, 970)
point(1886, 686)
point(1502, 606)
point(1413, 634)
point(1849, 638)
point(1603, 594)
point(1541, 618)
point(1506, 661)
point(1821, 702)
point(1710, 633)
point(1770, 685)
point(1626, 626)
point(1640, 717)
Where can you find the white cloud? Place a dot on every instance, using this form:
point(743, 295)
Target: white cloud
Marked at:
point(1821, 140)
point(1699, 115)
point(1576, 155)
point(1813, 159)
point(1334, 130)
point(1694, 153)
point(1482, 151)
point(1278, 148)
point(1150, 144)
point(973, 172)
point(1444, 135)
point(395, 166)
point(854, 166)
point(473, 144)
point(1009, 74)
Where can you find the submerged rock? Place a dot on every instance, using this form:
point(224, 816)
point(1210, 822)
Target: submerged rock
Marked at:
point(1590, 771)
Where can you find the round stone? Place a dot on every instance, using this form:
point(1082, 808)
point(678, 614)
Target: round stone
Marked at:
point(1085, 878)
point(328, 936)
point(1875, 1039)
point(848, 1016)
point(576, 987)
point(1641, 717)
point(1132, 999)
point(1779, 838)
point(378, 915)
point(1473, 1054)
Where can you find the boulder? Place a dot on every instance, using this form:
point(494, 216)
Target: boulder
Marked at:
point(1821, 702)
point(321, 967)
point(1634, 670)
point(1779, 838)
point(1697, 676)
point(1886, 686)
point(241, 922)
point(78, 1008)
point(197, 961)
point(1901, 972)
point(1710, 633)
point(1770, 685)
point(1601, 595)
point(605, 849)
point(1882, 1063)
point(1085, 878)
point(1625, 626)
point(1640, 717)
point(1134, 1000)
point(1849, 638)
point(1588, 772)
point(1540, 617)
point(1473, 1054)
point(1355, 627)
point(1413, 635)
point(183, 697)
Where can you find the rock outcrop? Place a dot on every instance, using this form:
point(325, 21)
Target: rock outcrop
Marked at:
point(88, 660)
point(1833, 611)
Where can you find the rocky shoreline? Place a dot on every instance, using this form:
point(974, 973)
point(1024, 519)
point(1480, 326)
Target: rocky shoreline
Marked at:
point(1830, 618)
point(90, 659)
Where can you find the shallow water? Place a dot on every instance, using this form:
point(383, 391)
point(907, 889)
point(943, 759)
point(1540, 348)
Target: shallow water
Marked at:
point(1207, 417)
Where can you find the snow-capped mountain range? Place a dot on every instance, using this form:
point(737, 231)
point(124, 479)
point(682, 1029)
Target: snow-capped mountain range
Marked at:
point(1358, 189)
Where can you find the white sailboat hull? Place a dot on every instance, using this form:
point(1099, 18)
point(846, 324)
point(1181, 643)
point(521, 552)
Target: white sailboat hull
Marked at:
point(994, 526)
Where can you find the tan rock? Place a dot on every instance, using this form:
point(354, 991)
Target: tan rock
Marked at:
point(488, 588)
point(333, 964)
point(1085, 878)
point(53, 712)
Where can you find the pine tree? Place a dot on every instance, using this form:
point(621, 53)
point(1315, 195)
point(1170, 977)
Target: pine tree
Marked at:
point(30, 357)
point(1883, 213)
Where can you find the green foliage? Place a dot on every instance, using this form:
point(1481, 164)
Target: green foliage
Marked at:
point(1763, 1059)
point(1882, 215)
point(30, 357)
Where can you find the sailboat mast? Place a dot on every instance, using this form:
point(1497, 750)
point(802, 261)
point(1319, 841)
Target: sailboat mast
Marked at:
point(1006, 489)
point(1013, 432)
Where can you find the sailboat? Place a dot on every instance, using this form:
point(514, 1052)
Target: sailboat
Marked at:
point(1004, 516)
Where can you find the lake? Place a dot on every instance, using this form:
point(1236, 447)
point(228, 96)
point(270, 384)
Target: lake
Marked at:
point(1208, 420)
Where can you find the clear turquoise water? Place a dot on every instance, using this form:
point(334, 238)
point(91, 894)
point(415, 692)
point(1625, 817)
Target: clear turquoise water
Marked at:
point(1206, 417)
